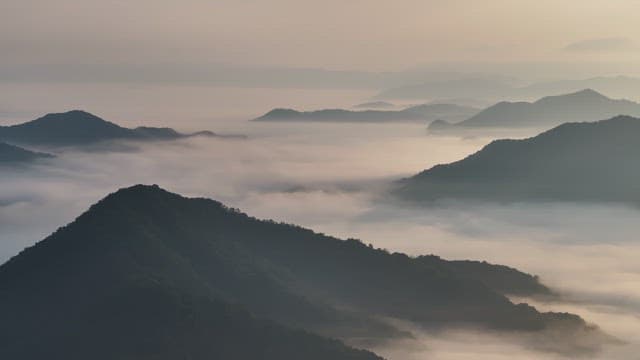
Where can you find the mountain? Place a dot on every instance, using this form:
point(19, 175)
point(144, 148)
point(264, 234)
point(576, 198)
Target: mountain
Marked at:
point(488, 88)
point(375, 105)
point(618, 86)
point(573, 162)
point(584, 105)
point(81, 128)
point(419, 113)
point(12, 155)
point(339, 115)
point(500, 278)
point(148, 274)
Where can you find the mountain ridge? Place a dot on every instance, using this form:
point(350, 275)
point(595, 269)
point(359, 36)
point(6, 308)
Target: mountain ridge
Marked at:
point(144, 236)
point(14, 155)
point(80, 128)
point(581, 161)
point(416, 113)
point(584, 105)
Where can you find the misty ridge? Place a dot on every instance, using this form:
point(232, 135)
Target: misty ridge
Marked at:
point(144, 265)
point(80, 128)
point(496, 88)
point(549, 111)
point(416, 113)
point(15, 155)
point(572, 162)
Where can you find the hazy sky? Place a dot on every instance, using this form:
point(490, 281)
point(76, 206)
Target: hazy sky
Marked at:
point(335, 34)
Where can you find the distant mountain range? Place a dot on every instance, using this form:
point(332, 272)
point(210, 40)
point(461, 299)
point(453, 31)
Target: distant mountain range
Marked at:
point(375, 105)
point(419, 113)
point(147, 274)
point(76, 128)
point(13, 155)
point(495, 88)
point(573, 162)
point(585, 105)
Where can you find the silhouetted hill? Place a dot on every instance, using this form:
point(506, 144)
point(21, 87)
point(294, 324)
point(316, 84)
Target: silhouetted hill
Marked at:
point(101, 288)
point(81, 128)
point(148, 274)
point(616, 86)
point(585, 105)
point(419, 113)
point(10, 155)
point(572, 162)
point(488, 88)
point(503, 279)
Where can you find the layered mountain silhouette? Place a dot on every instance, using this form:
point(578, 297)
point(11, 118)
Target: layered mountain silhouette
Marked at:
point(573, 162)
point(375, 105)
point(13, 155)
point(147, 274)
point(74, 128)
point(499, 88)
point(585, 105)
point(419, 113)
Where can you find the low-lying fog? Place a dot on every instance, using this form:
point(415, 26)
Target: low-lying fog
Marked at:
point(328, 177)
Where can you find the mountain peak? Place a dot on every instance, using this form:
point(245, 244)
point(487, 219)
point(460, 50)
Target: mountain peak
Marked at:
point(587, 92)
point(582, 95)
point(139, 193)
point(71, 115)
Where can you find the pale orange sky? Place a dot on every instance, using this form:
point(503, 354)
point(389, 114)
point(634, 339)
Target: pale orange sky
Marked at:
point(333, 34)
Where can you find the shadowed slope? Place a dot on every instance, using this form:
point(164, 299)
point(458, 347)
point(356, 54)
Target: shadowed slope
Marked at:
point(572, 162)
point(76, 128)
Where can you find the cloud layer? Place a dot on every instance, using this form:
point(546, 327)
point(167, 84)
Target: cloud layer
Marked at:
point(329, 178)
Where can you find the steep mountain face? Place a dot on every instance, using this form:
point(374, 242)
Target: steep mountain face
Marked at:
point(572, 162)
point(12, 155)
point(425, 112)
point(585, 105)
point(79, 128)
point(114, 286)
point(148, 274)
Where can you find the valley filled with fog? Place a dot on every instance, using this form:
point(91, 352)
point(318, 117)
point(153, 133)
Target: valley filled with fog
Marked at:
point(332, 178)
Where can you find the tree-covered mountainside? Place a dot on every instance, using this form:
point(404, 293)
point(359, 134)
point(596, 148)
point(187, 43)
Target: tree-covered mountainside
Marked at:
point(585, 105)
point(146, 273)
point(418, 113)
point(572, 162)
point(13, 155)
point(76, 127)
point(500, 278)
